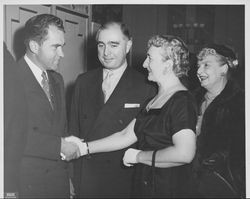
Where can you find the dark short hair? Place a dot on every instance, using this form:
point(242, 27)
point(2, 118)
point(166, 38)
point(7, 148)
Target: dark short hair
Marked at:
point(124, 28)
point(36, 28)
point(175, 49)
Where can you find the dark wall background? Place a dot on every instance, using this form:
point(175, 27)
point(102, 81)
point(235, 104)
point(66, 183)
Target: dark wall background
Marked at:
point(195, 24)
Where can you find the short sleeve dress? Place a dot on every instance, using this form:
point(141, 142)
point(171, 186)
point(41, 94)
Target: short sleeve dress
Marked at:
point(154, 130)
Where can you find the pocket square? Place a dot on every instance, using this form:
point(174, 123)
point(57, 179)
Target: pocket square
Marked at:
point(128, 105)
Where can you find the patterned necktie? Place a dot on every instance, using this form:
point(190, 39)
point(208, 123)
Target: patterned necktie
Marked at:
point(45, 86)
point(106, 85)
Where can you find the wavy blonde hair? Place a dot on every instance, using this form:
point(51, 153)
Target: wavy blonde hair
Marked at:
point(175, 49)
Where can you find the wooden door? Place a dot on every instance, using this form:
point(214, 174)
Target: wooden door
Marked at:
point(76, 27)
point(74, 61)
point(15, 18)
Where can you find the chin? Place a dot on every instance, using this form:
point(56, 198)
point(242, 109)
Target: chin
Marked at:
point(53, 68)
point(205, 86)
point(107, 65)
point(151, 79)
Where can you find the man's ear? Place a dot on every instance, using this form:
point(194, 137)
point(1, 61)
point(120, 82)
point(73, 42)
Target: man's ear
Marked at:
point(33, 46)
point(129, 45)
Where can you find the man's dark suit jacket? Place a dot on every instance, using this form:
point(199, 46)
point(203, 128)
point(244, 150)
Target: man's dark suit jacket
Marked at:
point(104, 175)
point(15, 123)
point(43, 173)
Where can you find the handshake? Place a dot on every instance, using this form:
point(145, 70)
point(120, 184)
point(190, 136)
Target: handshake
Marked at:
point(72, 148)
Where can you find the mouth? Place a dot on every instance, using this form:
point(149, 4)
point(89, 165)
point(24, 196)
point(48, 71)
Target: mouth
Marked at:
point(149, 73)
point(148, 69)
point(202, 78)
point(108, 59)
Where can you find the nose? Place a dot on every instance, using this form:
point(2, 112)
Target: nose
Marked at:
point(60, 52)
point(106, 50)
point(145, 63)
point(199, 70)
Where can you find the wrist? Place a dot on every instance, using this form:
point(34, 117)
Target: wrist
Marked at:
point(62, 144)
point(88, 151)
point(138, 156)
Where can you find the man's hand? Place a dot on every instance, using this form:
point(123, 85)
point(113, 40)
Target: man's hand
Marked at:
point(72, 189)
point(130, 157)
point(69, 150)
point(81, 145)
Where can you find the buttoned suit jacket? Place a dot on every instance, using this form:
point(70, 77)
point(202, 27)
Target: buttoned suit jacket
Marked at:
point(104, 175)
point(15, 123)
point(43, 173)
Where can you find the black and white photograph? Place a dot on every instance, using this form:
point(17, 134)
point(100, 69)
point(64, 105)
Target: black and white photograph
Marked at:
point(126, 99)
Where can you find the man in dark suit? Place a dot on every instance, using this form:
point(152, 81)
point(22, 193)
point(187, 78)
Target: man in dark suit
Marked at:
point(15, 123)
point(105, 101)
point(43, 173)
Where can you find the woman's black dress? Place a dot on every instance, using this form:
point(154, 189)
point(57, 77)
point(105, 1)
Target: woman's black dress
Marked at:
point(154, 130)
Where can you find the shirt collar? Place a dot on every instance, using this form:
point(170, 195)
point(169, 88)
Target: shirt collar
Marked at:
point(116, 72)
point(35, 69)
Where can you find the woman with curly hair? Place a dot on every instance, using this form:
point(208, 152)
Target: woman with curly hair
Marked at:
point(164, 130)
point(220, 160)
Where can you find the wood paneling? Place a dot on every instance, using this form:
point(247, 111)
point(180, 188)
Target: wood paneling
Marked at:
point(74, 61)
point(76, 27)
point(15, 18)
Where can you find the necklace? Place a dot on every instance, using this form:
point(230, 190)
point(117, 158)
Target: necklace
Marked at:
point(159, 100)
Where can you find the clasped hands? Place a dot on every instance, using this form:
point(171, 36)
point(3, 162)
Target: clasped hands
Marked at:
point(74, 147)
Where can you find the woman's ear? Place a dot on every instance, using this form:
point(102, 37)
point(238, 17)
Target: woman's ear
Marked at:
point(33, 46)
point(224, 69)
point(168, 66)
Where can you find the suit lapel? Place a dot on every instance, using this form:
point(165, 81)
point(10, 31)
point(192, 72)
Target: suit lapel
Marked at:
point(31, 84)
point(94, 94)
point(117, 98)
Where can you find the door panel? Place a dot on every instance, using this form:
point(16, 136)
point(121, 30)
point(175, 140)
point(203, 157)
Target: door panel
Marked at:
point(74, 61)
point(76, 27)
point(16, 16)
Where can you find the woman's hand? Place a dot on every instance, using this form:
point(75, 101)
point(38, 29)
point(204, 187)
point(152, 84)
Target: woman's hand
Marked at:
point(130, 157)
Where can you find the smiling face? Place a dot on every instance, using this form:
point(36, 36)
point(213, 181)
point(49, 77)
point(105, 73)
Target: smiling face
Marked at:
point(154, 63)
point(211, 72)
point(50, 51)
point(112, 47)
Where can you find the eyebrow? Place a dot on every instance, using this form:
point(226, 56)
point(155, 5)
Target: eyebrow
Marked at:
point(100, 42)
point(114, 42)
point(57, 45)
point(110, 42)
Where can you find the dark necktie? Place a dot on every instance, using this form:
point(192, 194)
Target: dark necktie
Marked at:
point(45, 86)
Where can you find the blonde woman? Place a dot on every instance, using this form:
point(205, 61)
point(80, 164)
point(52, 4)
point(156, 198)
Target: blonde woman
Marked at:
point(164, 130)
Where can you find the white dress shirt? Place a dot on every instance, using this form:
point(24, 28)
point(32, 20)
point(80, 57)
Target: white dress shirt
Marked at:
point(35, 70)
point(114, 79)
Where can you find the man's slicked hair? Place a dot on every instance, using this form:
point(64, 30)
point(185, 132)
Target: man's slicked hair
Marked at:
point(36, 28)
point(124, 28)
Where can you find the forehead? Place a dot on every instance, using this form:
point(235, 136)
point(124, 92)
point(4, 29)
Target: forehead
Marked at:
point(209, 58)
point(155, 51)
point(111, 33)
